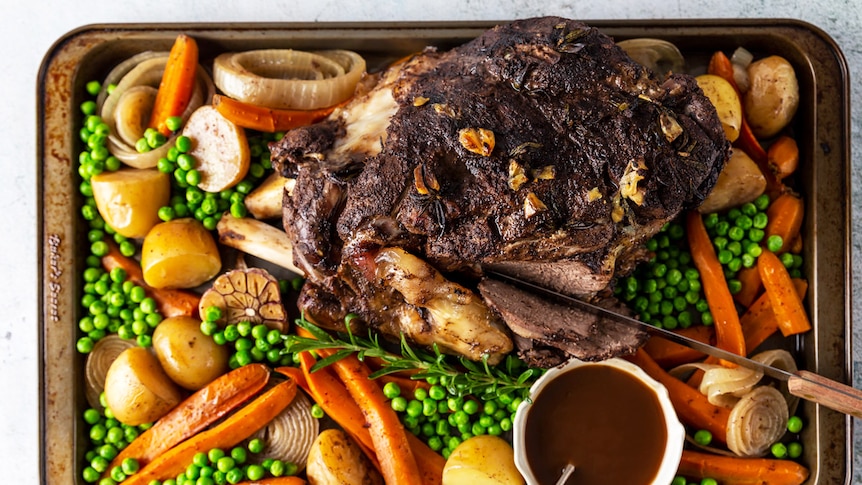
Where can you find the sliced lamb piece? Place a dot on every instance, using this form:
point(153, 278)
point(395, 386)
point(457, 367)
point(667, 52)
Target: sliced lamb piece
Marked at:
point(577, 333)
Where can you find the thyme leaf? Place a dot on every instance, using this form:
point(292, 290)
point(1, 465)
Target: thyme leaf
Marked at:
point(459, 375)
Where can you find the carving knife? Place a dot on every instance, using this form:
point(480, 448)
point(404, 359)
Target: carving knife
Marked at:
point(804, 384)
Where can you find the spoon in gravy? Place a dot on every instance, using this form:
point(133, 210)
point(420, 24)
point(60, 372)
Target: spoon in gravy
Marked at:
point(567, 472)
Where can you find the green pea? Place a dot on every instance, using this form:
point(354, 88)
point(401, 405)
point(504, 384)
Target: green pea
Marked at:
point(650, 286)
point(225, 464)
point(703, 437)
point(127, 249)
point(414, 408)
point(706, 318)
point(90, 475)
point(761, 202)
point(794, 449)
point(779, 450)
point(212, 313)
point(399, 404)
point(674, 276)
point(244, 187)
point(193, 177)
point(277, 468)
point(435, 443)
point(174, 123)
point(144, 341)
point(669, 322)
point(722, 227)
point(756, 235)
point(708, 481)
point(391, 390)
point(734, 285)
point(437, 393)
point(238, 210)
point(239, 454)
point(244, 327)
point(117, 474)
point(794, 424)
point(759, 220)
point(100, 463)
point(255, 472)
point(234, 476)
point(130, 466)
point(684, 319)
point(734, 264)
point(710, 220)
point(659, 271)
point(786, 260)
point(652, 245)
point(720, 242)
point(429, 407)
point(470, 407)
point(774, 243)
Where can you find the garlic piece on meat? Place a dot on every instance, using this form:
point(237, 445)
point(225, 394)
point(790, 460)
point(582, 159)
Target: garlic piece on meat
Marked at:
point(669, 126)
point(548, 172)
point(532, 205)
point(594, 194)
point(445, 109)
point(251, 295)
point(517, 175)
point(477, 140)
point(629, 183)
point(420, 101)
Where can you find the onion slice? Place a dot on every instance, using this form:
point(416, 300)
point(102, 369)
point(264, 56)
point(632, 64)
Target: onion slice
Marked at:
point(660, 56)
point(121, 115)
point(99, 360)
point(289, 435)
point(121, 70)
point(289, 79)
point(757, 421)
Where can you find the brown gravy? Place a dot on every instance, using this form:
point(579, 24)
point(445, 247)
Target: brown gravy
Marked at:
point(602, 420)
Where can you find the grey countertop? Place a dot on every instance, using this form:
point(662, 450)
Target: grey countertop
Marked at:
point(29, 28)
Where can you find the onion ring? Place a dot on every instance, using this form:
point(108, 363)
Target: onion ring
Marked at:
point(757, 421)
point(289, 435)
point(289, 79)
point(148, 72)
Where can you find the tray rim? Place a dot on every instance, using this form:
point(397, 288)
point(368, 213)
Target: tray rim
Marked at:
point(49, 246)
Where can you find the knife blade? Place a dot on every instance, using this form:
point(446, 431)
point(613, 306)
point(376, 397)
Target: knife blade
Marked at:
point(804, 384)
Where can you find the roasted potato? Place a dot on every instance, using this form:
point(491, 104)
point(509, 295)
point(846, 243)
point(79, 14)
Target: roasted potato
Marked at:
point(179, 254)
point(723, 96)
point(482, 460)
point(129, 199)
point(739, 182)
point(190, 358)
point(220, 148)
point(137, 390)
point(773, 96)
point(335, 459)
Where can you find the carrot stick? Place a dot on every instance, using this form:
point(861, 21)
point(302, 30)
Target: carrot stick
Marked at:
point(759, 322)
point(751, 286)
point(783, 156)
point(178, 82)
point(692, 407)
point(430, 462)
point(397, 463)
point(785, 215)
point(727, 329)
point(741, 471)
point(226, 434)
point(276, 481)
point(171, 303)
point(267, 119)
point(786, 303)
point(198, 411)
point(668, 354)
point(331, 395)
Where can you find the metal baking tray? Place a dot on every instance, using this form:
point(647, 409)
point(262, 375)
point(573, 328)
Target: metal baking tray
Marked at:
point(822, 128)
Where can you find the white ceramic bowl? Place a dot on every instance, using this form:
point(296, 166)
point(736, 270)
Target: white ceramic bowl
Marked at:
point(675, 431)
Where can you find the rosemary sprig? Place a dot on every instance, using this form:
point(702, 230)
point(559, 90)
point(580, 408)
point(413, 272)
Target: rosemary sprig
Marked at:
point(460, 376)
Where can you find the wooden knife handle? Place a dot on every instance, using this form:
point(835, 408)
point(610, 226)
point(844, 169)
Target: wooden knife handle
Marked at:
point(829, 393)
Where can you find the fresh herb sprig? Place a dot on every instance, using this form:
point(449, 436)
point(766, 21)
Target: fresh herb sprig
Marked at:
point(460, 376)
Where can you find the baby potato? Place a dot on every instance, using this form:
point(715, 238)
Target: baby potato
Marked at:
point(482, 460)
point(335, 459)
point(220, 148)
point(773, 97)
point(723, 96)
point(137, 390)
point(179, 254)
point(129, 198)
point(739, 182)
point(190, 358)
